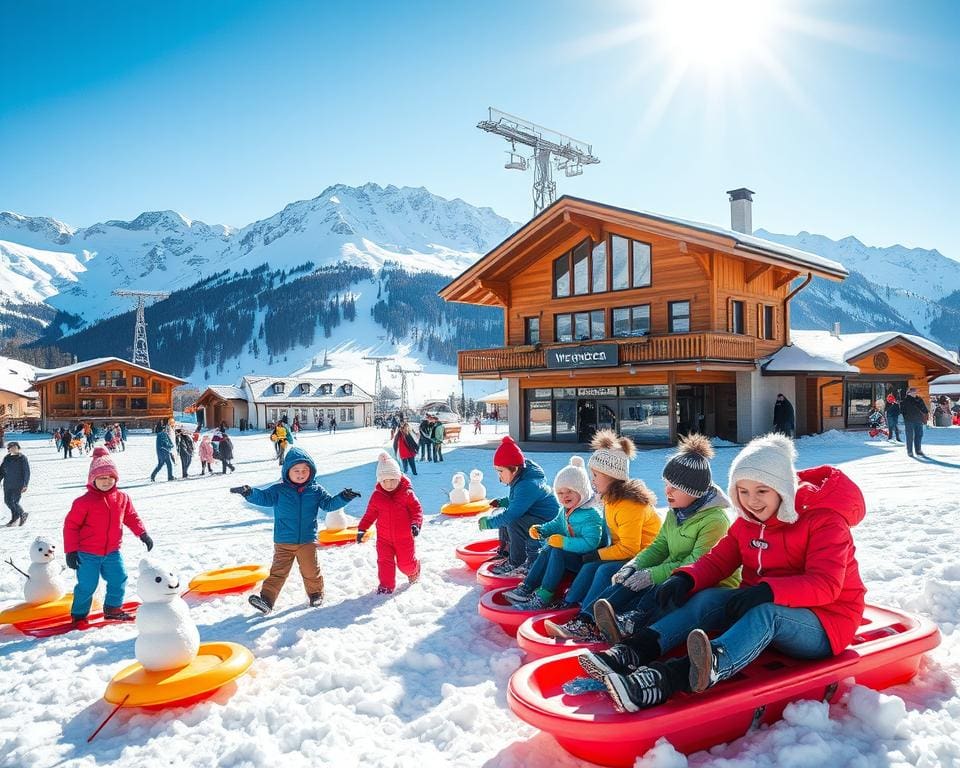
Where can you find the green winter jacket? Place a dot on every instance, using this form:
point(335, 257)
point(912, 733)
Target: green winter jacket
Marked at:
point(679, 545)
point(581, 529)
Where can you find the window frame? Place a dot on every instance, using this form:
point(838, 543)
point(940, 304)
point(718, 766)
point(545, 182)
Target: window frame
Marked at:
point(590, 314)
point(769, 314)
point(631, 310)
point(61, 388)
point(733, 306)
point(672, 317)
point(138, 381)
point(527, 334)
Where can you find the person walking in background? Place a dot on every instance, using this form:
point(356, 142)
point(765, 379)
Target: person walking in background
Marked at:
point(784, 420)
point(164, 455)
point(477, 424)
point(892, 413)
point(15, 475)
point(226, 450)
point(426, 439)
point(333, 425)
point(405, 446)
point(206, 455)
point(915, 414)
point(184, 449)
point(437, 435)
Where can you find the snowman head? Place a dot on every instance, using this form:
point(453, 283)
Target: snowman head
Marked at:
point(476, 475)
point(157, 583)
point(459, 480)
point(42, 550)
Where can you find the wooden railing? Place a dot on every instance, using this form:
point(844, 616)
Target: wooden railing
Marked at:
point(674, 347)
point(111, 389)
point(100, 413)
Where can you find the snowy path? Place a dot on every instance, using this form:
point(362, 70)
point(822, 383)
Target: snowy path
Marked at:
point(418, 679)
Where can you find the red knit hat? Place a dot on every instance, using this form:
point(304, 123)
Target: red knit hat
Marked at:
point(102, 466)
point(101, 451)
point(508, 454)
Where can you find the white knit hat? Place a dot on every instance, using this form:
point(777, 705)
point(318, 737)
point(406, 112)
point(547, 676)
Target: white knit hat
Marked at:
point(768, 460)
point(387, 467)
point(575, 477)
point(611, 454)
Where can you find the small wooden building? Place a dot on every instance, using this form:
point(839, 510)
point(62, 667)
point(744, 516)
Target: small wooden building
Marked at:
point(103, 390)
point(220, 404)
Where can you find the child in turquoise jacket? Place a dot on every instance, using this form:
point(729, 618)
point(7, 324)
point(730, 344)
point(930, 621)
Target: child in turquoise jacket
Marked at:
point(577, 529)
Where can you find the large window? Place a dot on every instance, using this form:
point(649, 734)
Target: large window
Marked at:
point(561, 276)
point(581, 269)
point(597, 267)
point(580, 326)
point(599, 260)
point(138, 381)
point(678, 316)
point(157, 387)
point(60, 388)
point(737, 317)
point(531, 330)
point(767, 329)
point(138, 403)
point(619, 253)
point(84, 381)
point(631, 321)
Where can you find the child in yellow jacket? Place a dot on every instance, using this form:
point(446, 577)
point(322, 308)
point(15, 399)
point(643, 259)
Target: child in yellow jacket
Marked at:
point(631, 522)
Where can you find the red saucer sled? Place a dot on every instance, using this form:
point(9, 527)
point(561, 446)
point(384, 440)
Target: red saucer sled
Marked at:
point(490, 581)
point(493, 606)
point(60, 625)
point(886, 652)
point(476, 553)
point(534, 641)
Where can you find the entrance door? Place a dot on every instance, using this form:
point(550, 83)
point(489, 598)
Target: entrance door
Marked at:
point(607, 414)
point(586, 420)
point(690, 409)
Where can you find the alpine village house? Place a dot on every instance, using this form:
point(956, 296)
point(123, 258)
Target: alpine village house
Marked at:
point(656, 327)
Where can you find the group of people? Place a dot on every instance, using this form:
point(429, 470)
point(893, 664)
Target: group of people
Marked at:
point(84, 436)
point(884, 419)
point(174, 445)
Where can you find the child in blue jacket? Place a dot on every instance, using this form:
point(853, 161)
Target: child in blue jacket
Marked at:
point(577, 529)
point(296, 500)
point(531, 502)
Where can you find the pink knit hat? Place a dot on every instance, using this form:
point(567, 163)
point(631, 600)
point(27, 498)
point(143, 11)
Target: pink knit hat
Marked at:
point(101, 451)
point(102, 466)
point(387, 467)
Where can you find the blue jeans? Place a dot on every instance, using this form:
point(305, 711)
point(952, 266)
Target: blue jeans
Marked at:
point(426, 449)
point(893, 424)
point(410, 465)
point(914, 435)
point(796, 632)
point(591, 581)
point(91, 567)
point(165, 460)
point(548, 569)
point(516, 537)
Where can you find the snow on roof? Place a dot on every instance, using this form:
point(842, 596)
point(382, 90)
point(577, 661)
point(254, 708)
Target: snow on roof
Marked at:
point(261, 387)
point(950, 378)
point(16, 377)
point(49, 373)
point(227, 391)
point(496, 397)
point(821, 351)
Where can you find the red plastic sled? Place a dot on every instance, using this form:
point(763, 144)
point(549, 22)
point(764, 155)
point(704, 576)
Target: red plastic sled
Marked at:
point(886, 652)
point(60, 625)
point(536, 644)
point(495, 607)
point(490, 581)
point(477, 553)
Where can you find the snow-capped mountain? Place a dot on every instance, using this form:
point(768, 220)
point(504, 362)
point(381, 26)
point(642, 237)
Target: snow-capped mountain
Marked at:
point(31, 275)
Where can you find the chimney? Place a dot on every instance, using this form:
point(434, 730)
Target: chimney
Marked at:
point(741, 210)
point(836, 330)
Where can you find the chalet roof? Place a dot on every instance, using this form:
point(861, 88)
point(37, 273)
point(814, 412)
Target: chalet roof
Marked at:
point(227, 392)
point(262, 391)
point(15, 377)
point(822, 352)
point(567, 208)
point(43, 374)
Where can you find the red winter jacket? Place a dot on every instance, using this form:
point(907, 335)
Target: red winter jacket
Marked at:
point(808, 564)
point(93, 524)
point(393, 512)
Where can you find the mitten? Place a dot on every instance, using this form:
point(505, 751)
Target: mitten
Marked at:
point(592, 556)
point(73, 560)
point(415, 530)
point(494, 503)
point(147, 541)
point(483, 523)
point(349, 494)
point(243, 490)
point(638, 581)
point(675, 590)
point(534, 532)
point(623, 574)
point(747, 598)
point(360, 535)
point(555, 540)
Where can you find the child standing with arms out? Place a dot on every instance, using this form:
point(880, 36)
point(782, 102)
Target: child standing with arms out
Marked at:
point(396, 510)
point(296, 500)
point(92, 532)
point(801, 590)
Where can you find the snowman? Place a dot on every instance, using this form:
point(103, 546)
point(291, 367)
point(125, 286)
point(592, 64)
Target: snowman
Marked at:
point(42, 585)
point(167, 637)
point(477, 491)
point(459, 494)
point(336, 520)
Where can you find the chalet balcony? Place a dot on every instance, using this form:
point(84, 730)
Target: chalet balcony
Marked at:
point(108, 413)
point(662, 349)
point(106, 388)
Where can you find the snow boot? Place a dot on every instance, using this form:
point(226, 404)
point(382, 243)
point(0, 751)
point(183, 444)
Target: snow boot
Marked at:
point(704, 671)
point(624, 658)
point(316, 600)
point(646, 687)
point(13, 522)
point(116, 614)
point(607, 622)
point(260, 604)
point(382, 590)
point(23, 517)
point(519, 594)
point(416, 575)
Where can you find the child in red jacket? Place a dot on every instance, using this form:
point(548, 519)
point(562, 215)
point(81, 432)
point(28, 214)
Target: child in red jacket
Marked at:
point(801, 589)
point(92, 532)
point(397, 512)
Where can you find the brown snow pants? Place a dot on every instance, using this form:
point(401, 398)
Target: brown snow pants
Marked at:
point(283, 557)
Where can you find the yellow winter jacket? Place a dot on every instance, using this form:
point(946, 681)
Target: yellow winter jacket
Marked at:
point(632, 521)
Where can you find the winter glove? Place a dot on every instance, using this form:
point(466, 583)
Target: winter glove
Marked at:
point(494, 503)
point(747, 598)
point(638, 581)
point(593, 556)
point(534, 532)
point(360, 535)
point(147, 541)
point(483, 523)
point(349, 494)
point(675, 590)
point(555, 540)
point(415, 530)
point(623, 574)
point(243, 490)
point(73, 560)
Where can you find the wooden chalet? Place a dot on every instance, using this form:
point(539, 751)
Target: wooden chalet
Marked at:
point(106, 389)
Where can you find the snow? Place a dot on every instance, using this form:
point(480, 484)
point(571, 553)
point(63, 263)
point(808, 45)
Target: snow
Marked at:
point(31, 275)
point(418, 678)
point(17, 377)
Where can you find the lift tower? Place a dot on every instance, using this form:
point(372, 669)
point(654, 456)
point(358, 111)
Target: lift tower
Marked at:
point(549, 149)
point(404, 392)
point(141, 354)
point(377, 383)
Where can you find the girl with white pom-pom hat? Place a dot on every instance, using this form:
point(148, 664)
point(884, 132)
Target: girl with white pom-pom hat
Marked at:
point(577, 529)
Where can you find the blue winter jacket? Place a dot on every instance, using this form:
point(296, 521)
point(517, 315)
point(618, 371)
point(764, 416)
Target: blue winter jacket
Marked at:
point(164, 444)
point(295, 507)
point(582, 529)
point(529, 495)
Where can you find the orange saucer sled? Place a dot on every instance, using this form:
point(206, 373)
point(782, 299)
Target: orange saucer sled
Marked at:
point(343, 536)
point(465, 510)
point(234, 579)
point(55, 609)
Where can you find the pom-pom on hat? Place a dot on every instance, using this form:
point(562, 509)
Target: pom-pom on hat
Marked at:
point(689, 469)
point(101, 451)
point(575, 477)
point(508, 454)
point(102, 466)
point(612, 454)
point(387, 468)
point(768, 460)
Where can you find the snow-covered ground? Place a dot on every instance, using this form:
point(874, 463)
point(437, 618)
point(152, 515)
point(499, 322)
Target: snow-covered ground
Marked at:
point(418, 678)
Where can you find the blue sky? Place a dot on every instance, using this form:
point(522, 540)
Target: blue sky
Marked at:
point(227, 111)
